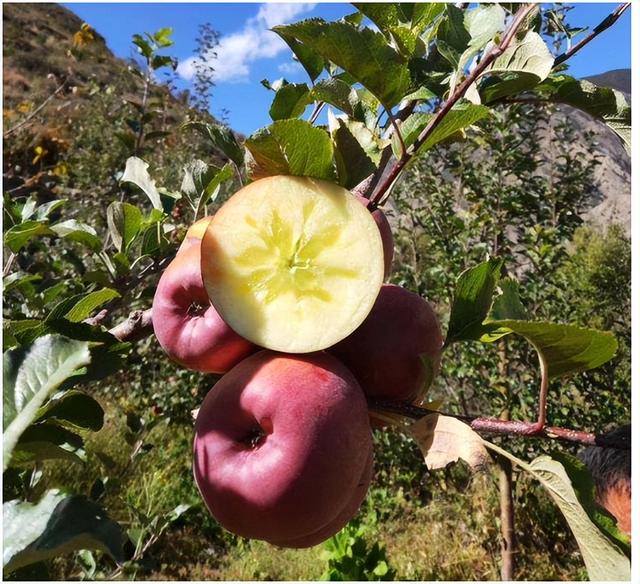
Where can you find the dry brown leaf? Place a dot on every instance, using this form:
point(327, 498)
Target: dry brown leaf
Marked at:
point(443, 440)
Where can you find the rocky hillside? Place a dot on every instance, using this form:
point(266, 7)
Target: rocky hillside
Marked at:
point(614, 174)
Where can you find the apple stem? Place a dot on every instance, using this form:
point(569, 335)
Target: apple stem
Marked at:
point(496, 426)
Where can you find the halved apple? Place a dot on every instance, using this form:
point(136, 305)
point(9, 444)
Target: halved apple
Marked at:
point(293, 264)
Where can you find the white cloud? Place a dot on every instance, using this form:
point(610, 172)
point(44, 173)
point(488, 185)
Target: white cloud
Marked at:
point(239, 50)
point(290, 68)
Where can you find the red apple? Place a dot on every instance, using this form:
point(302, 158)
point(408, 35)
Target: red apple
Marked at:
point(384, 353)
point(189, 329)
point(281, 444)
point(346, 515)
point(385, 233)
point(195, 233)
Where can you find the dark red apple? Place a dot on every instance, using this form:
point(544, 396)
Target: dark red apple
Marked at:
point(189, 329)
point(385, 233)
point(281, 445)
point(342, 519)
point(384, 352)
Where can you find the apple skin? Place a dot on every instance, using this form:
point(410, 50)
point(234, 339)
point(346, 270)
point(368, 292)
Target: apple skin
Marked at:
point(384, 352)
point(187, 326)
point(195, 233)
point(281, 444)
point(385, 233)
point(346, 515)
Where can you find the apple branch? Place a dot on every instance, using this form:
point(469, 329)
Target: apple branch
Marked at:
point(604, 25)
point(490, 56)
point(498, 427)
point(137, 326)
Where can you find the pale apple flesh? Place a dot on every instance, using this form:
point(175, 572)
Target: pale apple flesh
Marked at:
point(396, 348)
point(187, 326)
point(281, 444)
point(293, 264)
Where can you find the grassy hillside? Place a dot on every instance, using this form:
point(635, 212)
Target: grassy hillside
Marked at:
point(70, 110)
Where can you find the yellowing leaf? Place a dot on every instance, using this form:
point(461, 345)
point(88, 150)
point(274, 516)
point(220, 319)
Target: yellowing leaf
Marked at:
point(443, 440)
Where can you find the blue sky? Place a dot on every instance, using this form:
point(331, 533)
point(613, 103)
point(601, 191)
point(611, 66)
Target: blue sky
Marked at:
point(249, 52)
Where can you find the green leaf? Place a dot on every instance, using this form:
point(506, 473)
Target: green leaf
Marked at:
point(44, 210)
point(19, 235)
point(507, 304)
point(604, 103)
point(452, 29)
point(292, 147)
point(197, 175)
point(13, 328)
point(510, 84)
point(37, 451)
point(352, 162)
point(159, 61)
point(603, 559)
point(483, 23)
point(80, 232)
point(18, 280)
point(529, 55)
point(221, 138)
point(585, 490)
point(385, 15)
point(136, 172)
point(57, 524)
point(31, 375)
point(424, 14)
point(367, 138)
point(75, 408)
point(461, 116)
point(201, 183)
point(106, 359)
point(362, 53)
point(290, 101)
point(124, 221)
point(566, 349)
point(472, 300)
point(47, 441)
point(422, 94)
point(143, 46)
point(410, 130)
point(89, 303)
point(337, 93)
point(312, 62)
point(161, 37)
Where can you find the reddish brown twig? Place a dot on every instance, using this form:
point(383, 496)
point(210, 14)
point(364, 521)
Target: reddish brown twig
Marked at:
point(604, 25)
point(490, 56)
point(498, 427)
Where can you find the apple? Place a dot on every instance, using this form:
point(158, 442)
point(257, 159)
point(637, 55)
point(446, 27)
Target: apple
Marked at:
point(385, 233)
point(346, 515)
point(195, 233)
point(386, 352)
point(281, 445)
point(293, 264)
point(188, 328)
